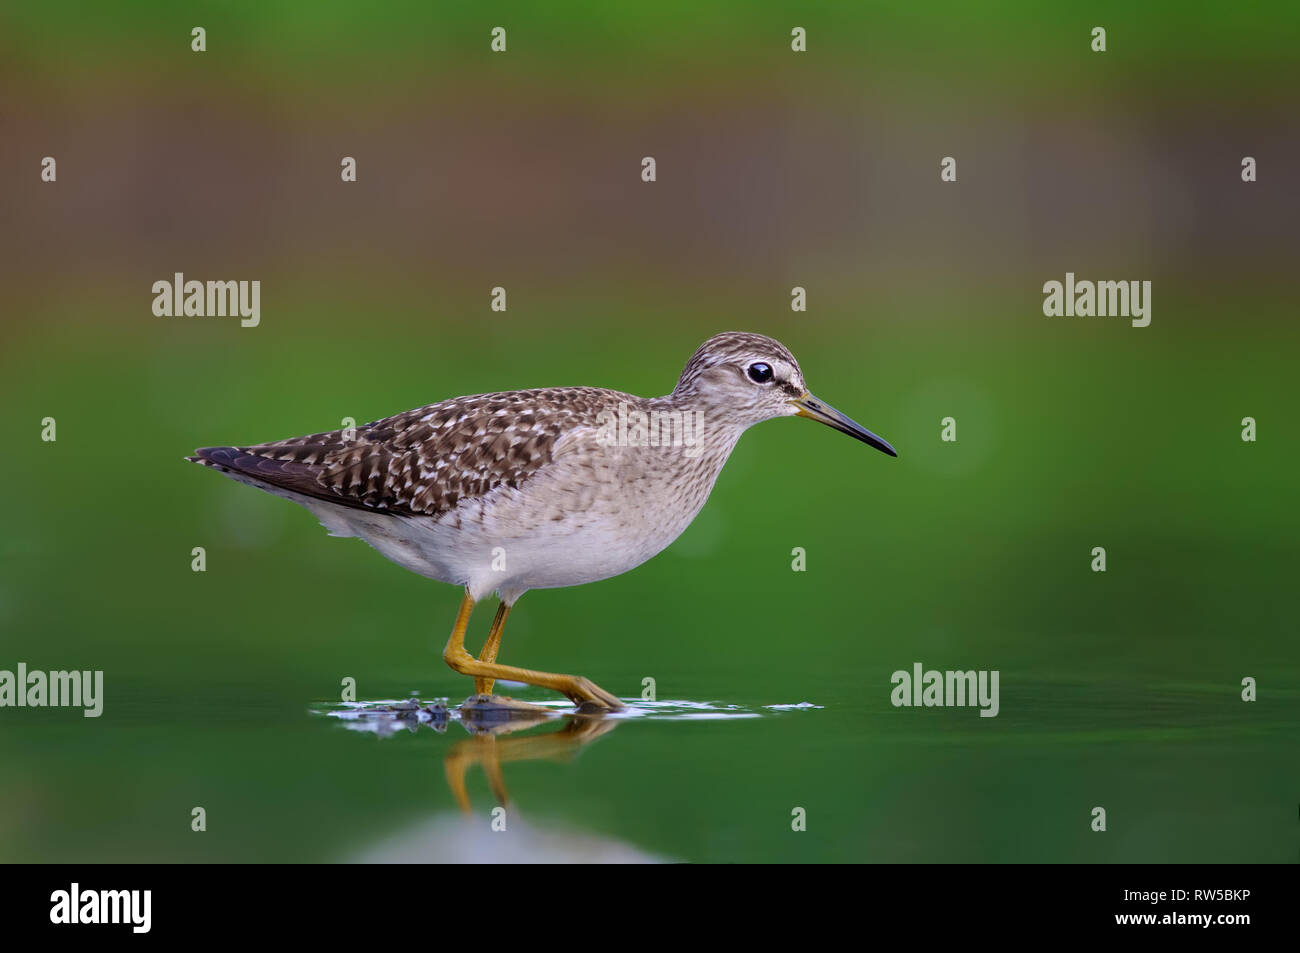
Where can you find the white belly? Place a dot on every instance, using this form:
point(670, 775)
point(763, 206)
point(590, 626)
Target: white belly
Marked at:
point(570, 524)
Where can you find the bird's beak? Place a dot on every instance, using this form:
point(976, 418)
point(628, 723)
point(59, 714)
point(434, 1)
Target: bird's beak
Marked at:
point(812, 408)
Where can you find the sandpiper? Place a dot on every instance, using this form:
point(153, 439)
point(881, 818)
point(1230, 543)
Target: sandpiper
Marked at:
point(536, 489)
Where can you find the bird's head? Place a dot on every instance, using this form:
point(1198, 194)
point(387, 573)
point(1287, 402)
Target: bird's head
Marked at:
point(749, 378)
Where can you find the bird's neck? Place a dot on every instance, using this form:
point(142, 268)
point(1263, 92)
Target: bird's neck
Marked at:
point(709, 434)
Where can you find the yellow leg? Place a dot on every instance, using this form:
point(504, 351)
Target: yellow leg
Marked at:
point(492, 769)
point(480, 749)
point(575, 687)
point(483, 686)
point(455, 766)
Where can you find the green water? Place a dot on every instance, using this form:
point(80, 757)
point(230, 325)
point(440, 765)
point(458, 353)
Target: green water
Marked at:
point(1184, 774)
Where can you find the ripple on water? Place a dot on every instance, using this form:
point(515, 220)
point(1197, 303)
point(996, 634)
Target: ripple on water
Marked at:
point(384, 717)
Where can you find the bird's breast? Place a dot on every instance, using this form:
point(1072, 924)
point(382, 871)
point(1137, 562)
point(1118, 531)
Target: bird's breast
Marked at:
point(592, 515)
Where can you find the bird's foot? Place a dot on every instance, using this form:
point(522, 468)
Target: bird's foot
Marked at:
point(499, 705)
point(590, 697)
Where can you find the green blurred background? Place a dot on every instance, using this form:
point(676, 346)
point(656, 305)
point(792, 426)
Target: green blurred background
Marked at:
point(775, 169)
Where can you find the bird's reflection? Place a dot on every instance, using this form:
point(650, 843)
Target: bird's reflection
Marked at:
point(500, 731)
point(490, 723)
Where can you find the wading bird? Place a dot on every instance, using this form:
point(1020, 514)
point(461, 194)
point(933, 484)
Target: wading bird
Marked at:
point(536, 489)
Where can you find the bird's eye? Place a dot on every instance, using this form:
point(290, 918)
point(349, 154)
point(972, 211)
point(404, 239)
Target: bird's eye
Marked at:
point(760, 373)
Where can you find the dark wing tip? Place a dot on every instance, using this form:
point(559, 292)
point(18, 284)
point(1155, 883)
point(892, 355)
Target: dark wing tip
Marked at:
point(246, 465)
point(216, 456)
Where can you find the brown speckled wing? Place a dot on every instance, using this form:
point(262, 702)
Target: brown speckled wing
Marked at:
point(425, 461)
